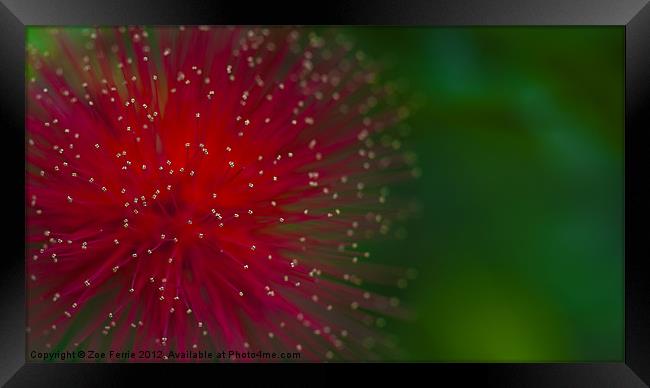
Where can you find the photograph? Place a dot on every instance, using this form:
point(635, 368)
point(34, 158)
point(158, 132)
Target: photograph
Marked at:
point(337, 194)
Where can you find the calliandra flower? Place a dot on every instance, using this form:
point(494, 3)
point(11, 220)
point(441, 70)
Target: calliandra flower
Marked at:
point(208, 188)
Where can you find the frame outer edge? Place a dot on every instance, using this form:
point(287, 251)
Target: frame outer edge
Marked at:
point(377, 12)
point(637, 122)
point(12, 289)
point(637, 42)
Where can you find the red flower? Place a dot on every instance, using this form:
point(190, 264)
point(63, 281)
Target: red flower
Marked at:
point(204, 188)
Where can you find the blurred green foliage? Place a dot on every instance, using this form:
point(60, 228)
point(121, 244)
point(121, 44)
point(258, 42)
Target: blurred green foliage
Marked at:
point(519, 241)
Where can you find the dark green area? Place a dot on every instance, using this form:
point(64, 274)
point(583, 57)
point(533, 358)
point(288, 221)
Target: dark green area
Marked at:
point(519, 242)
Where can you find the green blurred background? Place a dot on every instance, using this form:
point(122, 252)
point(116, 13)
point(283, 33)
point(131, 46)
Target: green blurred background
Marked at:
point(519, 238)
point(518, 241)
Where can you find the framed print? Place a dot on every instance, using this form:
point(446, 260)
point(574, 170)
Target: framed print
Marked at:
point(372, 190)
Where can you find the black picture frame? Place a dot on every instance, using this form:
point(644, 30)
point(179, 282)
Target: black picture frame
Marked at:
point(634, 15)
